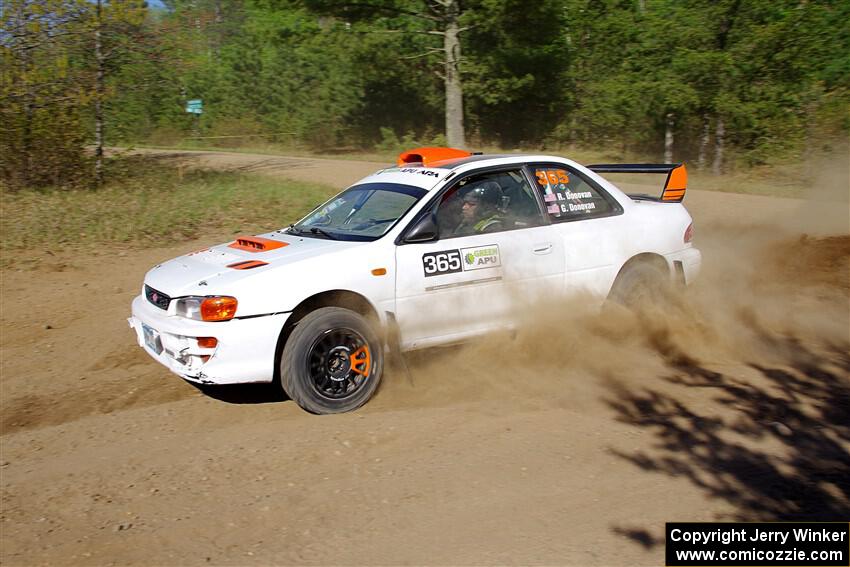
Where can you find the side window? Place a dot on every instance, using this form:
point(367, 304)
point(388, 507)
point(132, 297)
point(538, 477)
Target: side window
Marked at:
point(568, 196)
point(489, 202)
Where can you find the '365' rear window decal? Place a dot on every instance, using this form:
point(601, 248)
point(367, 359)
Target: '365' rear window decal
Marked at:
point(463, 259)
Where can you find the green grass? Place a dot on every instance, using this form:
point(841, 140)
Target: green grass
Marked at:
point(153, 205)
point(275, 150)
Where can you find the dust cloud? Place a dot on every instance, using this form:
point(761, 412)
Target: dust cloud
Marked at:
point(826, 201)
point(765, 286)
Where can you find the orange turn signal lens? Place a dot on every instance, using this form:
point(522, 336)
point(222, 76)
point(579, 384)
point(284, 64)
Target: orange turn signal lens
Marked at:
point(218, 308)
point(207, 342)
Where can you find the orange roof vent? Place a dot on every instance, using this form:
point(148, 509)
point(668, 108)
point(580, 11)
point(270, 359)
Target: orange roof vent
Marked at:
point(429, 156)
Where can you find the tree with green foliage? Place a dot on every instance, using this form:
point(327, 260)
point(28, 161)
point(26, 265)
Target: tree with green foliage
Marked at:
point(440, 19)
point(269, 69)
point(723, 82)
point(516, 57)
point(747, 74)
point(115, 27)
point(43, 93)
point(58, 57)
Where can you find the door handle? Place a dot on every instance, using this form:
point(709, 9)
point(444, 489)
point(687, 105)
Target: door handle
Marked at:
point(543, 248)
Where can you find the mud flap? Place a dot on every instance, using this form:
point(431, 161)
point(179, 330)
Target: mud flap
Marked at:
point(679, 271)
point(396, 356)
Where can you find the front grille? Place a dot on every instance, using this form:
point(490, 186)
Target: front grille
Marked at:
point(157, 297)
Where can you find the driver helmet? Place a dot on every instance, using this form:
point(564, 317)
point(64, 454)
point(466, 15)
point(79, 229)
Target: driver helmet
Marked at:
point(487, 193)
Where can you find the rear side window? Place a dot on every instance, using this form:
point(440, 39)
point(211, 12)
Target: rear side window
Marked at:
point(568, 196)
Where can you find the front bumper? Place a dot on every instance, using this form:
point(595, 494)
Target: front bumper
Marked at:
point(245, 351)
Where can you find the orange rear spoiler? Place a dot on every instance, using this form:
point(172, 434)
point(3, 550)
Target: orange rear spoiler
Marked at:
point(429, 156)
point(674, 187)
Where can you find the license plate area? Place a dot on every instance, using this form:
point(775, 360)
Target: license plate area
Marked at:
point(152, 340)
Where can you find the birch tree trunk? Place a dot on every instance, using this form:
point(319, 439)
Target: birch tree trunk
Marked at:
point(702, 158)
point(29, 112)
point(719, 133)
point(668, 138)
point(98, 99)
point(455, 135)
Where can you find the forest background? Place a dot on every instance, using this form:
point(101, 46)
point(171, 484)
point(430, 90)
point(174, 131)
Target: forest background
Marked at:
point(724, 85)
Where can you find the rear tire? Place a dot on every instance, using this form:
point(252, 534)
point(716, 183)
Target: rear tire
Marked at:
point(640, 286)
point(332, 361)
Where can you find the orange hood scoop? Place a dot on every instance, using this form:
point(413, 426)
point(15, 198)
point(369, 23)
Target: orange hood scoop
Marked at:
point(256, 244)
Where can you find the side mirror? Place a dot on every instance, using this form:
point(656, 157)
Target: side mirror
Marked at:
point(425, 230)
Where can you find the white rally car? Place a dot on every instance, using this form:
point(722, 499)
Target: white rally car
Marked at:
point(404, 259)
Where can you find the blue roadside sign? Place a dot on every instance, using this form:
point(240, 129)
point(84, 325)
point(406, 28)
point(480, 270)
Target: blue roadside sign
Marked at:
point(195, 106)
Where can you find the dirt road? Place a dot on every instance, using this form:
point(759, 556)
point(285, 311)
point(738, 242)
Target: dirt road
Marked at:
point(569, 444)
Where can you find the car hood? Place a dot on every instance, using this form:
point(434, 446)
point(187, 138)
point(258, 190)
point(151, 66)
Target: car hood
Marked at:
point(200, 272)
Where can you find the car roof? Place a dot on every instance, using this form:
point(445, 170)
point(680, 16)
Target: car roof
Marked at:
point(454, 163)
point(432, 165)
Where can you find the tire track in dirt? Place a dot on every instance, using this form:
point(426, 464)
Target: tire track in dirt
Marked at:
point(71, 354)
point(150, 388)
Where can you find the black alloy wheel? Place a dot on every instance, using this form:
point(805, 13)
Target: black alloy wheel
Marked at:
point(339, 363)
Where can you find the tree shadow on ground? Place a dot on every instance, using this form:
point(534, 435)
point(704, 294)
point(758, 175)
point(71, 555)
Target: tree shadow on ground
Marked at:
point(775, 446)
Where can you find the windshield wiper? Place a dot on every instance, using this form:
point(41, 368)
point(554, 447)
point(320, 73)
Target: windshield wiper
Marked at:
point(316, 230)
point(313, 230)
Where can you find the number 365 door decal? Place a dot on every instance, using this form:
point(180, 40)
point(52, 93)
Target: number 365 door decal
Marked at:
point(461, 260)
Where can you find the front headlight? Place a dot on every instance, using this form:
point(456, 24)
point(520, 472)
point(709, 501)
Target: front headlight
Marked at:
point(213, 308)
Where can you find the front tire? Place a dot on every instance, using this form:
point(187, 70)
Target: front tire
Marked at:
point(332, 361)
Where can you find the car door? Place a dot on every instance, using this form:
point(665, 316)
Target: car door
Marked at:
point(477, 275)
point(587, 219)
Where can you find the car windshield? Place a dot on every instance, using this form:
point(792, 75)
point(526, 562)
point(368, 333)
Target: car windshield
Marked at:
point(362, 212)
